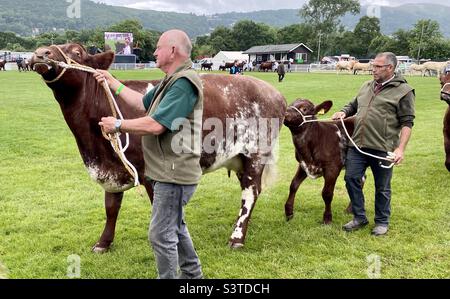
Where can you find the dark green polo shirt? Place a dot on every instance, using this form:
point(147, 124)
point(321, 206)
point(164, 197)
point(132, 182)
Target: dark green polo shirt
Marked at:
point(178, 102)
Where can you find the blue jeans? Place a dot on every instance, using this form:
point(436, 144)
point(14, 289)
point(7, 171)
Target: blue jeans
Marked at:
point(168, 233)
point(356, 165)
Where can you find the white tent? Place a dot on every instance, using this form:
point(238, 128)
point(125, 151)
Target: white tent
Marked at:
point(227, 56)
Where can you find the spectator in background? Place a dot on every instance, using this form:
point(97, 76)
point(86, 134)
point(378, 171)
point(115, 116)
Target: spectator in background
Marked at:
point(235, 69)
point(281, 71)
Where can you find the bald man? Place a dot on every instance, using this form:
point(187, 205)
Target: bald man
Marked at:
point(172, 169)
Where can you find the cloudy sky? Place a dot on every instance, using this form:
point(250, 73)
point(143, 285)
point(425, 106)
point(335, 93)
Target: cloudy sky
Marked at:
point(221, 6)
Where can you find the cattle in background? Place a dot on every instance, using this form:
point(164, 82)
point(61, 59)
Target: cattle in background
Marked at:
point(23, 64)
point(432, 66)
point(364, 67)
point(83, 102)
point(320, 149)
point(266, 66)
point(228, 65)
point(345, 65)
point(413, 68)
point(225, 66)
point(2, 65)
point(206, 66)
point(445, 96)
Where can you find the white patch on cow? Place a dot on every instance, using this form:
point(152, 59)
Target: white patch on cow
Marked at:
point(249, 200)
point(312, 171)
point(107, 180)
point(338, 132)
point(257, 110)
point(149, 87)
point(228, 150)
point(227, 90)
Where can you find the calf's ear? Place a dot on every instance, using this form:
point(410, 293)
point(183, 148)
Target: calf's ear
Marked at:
point(103, 60)
point(323, 107)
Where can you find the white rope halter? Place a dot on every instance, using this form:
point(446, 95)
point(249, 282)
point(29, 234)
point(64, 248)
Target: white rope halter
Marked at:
point(114, 139)
point(390, 156)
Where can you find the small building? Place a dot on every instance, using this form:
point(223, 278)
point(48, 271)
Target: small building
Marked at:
point(297, 53)
point(227, 56)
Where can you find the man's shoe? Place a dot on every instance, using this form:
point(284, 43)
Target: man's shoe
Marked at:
point(379, 230)
point(354, 225)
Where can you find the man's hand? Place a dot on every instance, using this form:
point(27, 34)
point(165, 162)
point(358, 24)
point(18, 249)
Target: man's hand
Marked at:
point(338, 115)
point(399, 155)
point(101, 75)
point(108, 124)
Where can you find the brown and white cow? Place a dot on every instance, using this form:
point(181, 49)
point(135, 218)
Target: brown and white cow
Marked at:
point(320, 149)
point(445, 96)
point(237, 98)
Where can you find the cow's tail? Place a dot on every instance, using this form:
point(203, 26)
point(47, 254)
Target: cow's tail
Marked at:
point(270, 172)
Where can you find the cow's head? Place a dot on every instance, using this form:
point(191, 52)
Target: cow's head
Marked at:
point(302, 110)
point(445, 87)
point(44, 61)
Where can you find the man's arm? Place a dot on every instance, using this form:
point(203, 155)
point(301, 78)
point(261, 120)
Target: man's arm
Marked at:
point(405, 134)
point(131, 97)
point(406, 115)
point(139, 126)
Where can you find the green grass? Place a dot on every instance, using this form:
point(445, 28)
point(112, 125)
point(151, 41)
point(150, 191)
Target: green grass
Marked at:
point(50, 209)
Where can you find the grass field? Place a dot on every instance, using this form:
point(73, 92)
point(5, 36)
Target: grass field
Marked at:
point(50, 209)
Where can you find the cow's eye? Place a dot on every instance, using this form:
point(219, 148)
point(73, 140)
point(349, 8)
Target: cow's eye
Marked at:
point(77, 53)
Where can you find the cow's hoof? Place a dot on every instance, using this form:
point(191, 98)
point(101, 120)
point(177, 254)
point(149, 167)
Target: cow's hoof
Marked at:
point(99, 249)
point(235, 245)
point(289, 217)
point(327, 222)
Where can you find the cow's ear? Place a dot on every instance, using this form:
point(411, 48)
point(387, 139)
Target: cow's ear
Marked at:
point(323, 108)
point(103, 60)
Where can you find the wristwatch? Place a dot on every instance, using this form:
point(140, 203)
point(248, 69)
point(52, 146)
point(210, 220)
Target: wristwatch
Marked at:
point(117, 125)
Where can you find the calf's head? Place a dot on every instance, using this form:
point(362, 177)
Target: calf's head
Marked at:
point(303, 109)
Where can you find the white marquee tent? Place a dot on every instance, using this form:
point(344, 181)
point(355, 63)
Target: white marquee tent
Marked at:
point(227, 56)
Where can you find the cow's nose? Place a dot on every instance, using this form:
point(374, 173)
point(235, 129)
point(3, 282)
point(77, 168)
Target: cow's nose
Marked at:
point(42, 52)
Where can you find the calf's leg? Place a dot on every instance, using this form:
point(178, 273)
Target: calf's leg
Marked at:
point(327, 194)
point(299, 177)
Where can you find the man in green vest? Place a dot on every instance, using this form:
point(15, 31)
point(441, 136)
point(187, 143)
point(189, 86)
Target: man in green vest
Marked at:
point(384, 109)
point(172, 156)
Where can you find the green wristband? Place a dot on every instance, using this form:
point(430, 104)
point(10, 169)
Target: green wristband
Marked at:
point(119, 90)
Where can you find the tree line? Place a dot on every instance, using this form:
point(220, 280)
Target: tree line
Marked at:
point(321, 25)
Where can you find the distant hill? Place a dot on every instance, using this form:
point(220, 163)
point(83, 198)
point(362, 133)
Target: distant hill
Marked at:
point(28, 17)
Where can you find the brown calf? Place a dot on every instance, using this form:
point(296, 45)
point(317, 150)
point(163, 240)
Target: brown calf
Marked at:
point(320, 149)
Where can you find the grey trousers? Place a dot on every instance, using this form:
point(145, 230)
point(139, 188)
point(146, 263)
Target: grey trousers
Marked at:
point(168, 233)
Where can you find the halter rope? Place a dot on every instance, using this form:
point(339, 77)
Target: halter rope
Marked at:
point(390, 157)
point(114, 139)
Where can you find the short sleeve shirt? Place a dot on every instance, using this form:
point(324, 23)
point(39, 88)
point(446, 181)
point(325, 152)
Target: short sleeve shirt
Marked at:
point(176, 104)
